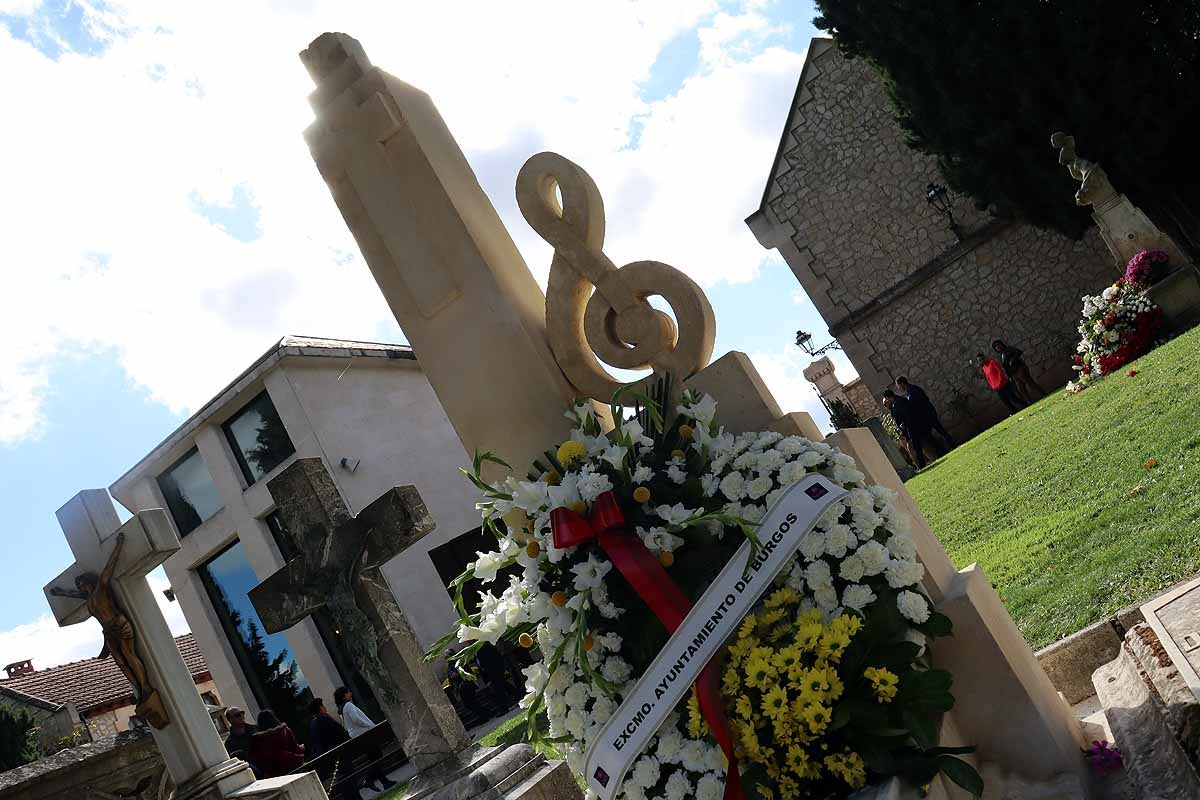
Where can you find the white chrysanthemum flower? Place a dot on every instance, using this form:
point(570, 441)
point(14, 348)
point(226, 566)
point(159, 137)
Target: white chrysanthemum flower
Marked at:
point(710, 787)
point(770, 461)
point(851, 568)
point(874, 557)
point(766, 438)
point(913, 607)
point(773, 496)
point(709, 484)
point(793, 445)
point(692, 755)
point(818, 574)
point(812, 546)
point(758, 487)
point(631, 792)
point(795, 578)
point(826, 597)
point(733, 486)
point(904, 573)
point(678, 786)
point(857, 596)
point(645, 772)
point(590, 574)
point(593, 484)
point(837, 540)
point(792, 472)
point(670, 745)
point(610, 610)
point(578, 695)
point(746, 460)
point(602, 709)
point(643, 474)
point(616, 670)
point(677, 474)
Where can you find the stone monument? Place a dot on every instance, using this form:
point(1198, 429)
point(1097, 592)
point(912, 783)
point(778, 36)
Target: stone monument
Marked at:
point(399, 178)
point(339, 569)
point(1127, 231)
point(111, 563)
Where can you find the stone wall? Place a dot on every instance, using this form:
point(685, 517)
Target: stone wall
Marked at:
point(118, 765)
point(846, 208)
point(858, 394)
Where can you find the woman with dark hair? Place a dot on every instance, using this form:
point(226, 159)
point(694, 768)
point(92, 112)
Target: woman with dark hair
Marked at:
point(273, 747)
point(357, 723)
point(1013, 361)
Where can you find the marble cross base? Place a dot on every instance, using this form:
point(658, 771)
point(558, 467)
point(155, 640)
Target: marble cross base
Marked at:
point(306, 786)
point(512, 772)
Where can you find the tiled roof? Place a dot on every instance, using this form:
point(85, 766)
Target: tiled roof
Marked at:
point(96, 681)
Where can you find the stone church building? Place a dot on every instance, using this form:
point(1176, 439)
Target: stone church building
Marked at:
point(845, 205)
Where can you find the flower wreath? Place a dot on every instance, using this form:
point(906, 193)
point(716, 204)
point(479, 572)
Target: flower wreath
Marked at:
point(827, 684)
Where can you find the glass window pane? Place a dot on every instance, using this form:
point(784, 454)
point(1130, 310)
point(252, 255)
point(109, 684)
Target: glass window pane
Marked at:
point(267, 663)
point(189, 491)
point(258, 438)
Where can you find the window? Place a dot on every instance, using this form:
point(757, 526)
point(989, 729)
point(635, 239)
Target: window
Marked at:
point(267, 664)
point(189, 491)
point(258, 438)
point(331, 637)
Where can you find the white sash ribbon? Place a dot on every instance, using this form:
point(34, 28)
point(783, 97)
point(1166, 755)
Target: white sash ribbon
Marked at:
point(713, 619)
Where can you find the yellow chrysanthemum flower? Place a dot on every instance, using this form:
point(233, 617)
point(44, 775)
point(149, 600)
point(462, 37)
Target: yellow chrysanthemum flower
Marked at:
point(571, 451)
point(883, 682)
point(759, 673)
point(785, 659)
point(765, 791)
point(797, 760)
point(833, 644)
point(771, 617)
point(743, 708)
point(697, 727)
point(747, 626)
point(808, 635)
point(848, 624)
point(817, 716)
point(849, 767)
point(788, 788)
point(775, 702)
point(783, 597)
point(731, 682)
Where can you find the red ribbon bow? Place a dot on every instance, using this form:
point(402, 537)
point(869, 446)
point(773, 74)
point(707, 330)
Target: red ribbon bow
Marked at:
point(641, 568)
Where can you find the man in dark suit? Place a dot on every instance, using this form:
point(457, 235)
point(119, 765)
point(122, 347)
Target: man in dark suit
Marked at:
point(924, 411)
point(902, 411)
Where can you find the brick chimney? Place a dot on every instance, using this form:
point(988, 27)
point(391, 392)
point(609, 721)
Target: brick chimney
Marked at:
point(19, 669)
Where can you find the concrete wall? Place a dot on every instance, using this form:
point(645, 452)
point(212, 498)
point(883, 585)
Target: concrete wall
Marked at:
point(846, 208)
point(380, 411)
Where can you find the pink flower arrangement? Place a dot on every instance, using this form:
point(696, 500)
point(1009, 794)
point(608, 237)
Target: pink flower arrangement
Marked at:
point(1146, 267)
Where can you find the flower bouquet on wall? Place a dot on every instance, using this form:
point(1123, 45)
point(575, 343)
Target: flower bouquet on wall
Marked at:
point(1147, 268)
point(1119, 325)
point(811, 676)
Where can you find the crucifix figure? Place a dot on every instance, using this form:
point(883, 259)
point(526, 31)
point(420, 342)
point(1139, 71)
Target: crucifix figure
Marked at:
point(109, 576)
point(339, 569)
point(119, 639)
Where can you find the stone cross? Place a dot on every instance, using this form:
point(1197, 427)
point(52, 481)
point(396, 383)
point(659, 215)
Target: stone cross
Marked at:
point(339, 569)
point(190, 745)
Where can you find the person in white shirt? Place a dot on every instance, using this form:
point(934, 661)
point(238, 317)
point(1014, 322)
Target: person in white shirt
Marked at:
point(357, 723)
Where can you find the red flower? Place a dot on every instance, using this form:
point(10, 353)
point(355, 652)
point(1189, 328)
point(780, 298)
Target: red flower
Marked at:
point(1078, 359)
point(1132, 372)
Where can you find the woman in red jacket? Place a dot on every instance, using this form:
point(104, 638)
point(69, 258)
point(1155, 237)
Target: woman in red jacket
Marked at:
point(999, 382)
point(273, 747)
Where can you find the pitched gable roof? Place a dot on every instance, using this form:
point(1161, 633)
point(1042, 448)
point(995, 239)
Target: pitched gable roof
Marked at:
point(94, 682)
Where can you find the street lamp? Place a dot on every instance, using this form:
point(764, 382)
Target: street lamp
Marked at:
point(804, 342)
point(938, 196)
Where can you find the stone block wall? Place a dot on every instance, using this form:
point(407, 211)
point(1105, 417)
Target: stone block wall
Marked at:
point(846, 208)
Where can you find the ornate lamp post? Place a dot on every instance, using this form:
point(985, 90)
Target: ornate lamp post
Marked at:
point(804, 342)
point(938, 196)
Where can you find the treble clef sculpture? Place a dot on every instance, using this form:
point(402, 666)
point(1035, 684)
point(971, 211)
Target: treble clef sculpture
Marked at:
point(616, 323)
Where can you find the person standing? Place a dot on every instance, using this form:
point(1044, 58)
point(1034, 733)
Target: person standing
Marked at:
point(902, 411)
point(324, 734)
point(999, 382)
point(237, 743)
point(357, 723)
point(1013, 361)
point(924, 410)
point(273, 747)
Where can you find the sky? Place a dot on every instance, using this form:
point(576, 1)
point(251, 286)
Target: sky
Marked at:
point(165, 224)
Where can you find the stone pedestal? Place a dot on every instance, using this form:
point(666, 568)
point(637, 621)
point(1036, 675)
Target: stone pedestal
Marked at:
point(514, 772)
point(1178, 295)
point(306, 786)
point(889, 447)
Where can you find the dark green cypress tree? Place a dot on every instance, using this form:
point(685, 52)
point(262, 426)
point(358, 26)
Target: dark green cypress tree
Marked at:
point(16, 745)
point(981, 84)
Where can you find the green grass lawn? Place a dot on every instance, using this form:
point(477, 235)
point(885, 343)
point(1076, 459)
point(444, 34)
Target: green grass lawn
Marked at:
point(1057, 503)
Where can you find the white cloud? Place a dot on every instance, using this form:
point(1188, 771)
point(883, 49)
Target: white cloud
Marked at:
point(783, 371)
point(104, 248)
point(48, 645)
